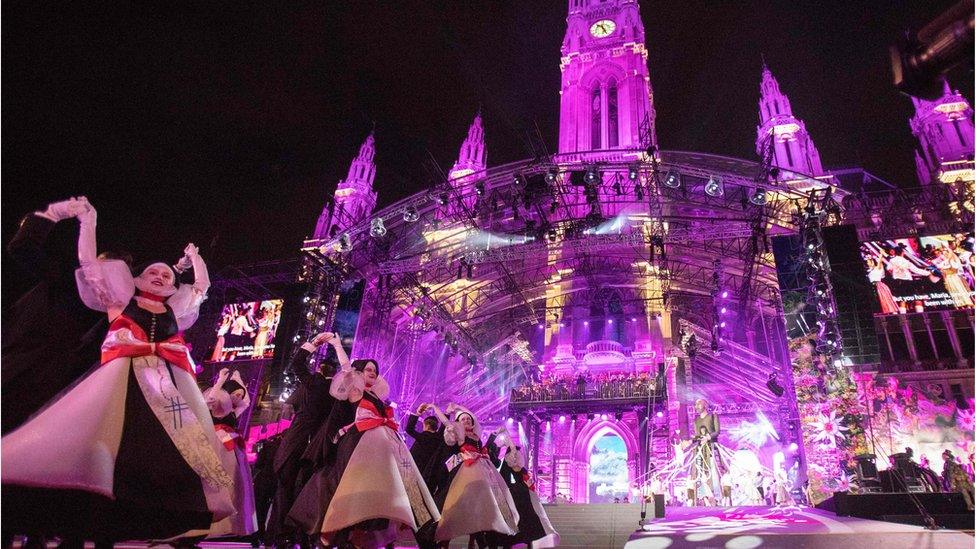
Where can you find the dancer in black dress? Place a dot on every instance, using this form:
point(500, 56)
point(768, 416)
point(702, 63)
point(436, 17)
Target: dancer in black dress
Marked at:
point(534, 528)
point(130, 452)
point(372, 489)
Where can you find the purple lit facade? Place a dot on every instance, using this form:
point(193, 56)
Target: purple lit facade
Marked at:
point(559, 294)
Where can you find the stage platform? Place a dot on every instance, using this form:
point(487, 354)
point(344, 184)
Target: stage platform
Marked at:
point(785, 527)
point(612, 526)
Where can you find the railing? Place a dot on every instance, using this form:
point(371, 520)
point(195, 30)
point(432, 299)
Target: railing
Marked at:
point(567, 391)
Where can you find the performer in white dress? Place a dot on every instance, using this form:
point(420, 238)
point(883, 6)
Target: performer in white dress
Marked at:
point(130, 452)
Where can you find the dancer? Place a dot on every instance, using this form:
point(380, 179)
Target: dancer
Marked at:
point(876, 275)
point(477, 500)
point(902, 271)
point(373, 489)
point(429, 450)
point(313, 409)
point(227, 400)
point(534, 528)
point(956, 479)
point(129, 452)
point(706, 467)
point(951, 268)
point(37, 366)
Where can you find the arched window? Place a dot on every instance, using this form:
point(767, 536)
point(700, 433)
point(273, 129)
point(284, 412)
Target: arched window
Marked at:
point(612, 132)
point(596, 118)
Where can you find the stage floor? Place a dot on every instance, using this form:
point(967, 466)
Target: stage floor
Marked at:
point(764, 527)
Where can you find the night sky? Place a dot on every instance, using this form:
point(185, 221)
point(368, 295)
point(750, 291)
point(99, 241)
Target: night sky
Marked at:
point(230, 126)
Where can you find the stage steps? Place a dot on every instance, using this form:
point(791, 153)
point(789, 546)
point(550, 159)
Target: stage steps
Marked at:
point(596, 525)
point(590, 525)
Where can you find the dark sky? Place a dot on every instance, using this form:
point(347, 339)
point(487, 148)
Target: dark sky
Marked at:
point(229, 124)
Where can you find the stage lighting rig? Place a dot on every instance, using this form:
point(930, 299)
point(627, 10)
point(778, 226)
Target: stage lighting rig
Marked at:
point(672, 180)
point(376, 228)
point(410, 214)
point(714, 187)
point(593, 176)
point(551, 175)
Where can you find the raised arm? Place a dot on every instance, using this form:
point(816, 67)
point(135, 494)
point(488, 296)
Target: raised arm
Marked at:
point(201, 277)
point(87, 247)
point(336, 343)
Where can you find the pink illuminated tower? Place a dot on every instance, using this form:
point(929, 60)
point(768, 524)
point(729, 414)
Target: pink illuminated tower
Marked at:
point(944, 129)
point(471, 159)
point(606, 95)
point(793, 150)
point(354, 196)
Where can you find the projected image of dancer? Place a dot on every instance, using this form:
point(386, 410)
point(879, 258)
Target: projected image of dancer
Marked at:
point(706, 464)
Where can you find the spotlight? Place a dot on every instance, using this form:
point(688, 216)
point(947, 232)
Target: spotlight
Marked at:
point(562, 419)
point(552, 235)
point(610, 321)
point(632, 173)
point(510, 421)
point(794, 447)
point(603, 417)
point(725, 294)
point(773, 385)
point(758, 197)
point(714, 186)
point(551, 175)
point(410, 214)
point(442, 198)
point(660, 414)
point(479, 188)
point(672, 180)
point(345, 243)
point(376, 228)
point(592, 176)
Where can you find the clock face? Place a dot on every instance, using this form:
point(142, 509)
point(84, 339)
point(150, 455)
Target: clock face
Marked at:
point(603, 28)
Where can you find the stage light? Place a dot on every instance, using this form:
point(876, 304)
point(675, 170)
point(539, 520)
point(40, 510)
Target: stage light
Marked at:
point(516, 179)
point(714, 186)
point(633, 320)
point(723, 310)
point(592, 176)
point(376, 228)
point(672, 180)
point(758, 197)
point(541, 326)
point(306, 299)
point(725, 294)
point(443, 198)
point(345, 243)
point(773, 385)
point(510, 420)
point(586, 323)
point(660, 414)
point(610, 321)
point(794, 447)
point(721, 324)
point(632, 173)
point(410, 214)
point(321, 322)
point(551, 175)
point(479, 188)
point(603, 416)
point(562, 419)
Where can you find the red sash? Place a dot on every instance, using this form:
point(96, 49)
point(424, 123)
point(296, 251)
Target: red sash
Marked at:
point(365, 424)
point(177, 358)
point(472, 454)
point(229, 436)
point(527, 479)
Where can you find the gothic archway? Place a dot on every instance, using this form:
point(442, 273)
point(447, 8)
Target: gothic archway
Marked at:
point(587, 438)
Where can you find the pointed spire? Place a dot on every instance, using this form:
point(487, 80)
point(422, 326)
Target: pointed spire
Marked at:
point(354, 196)
point(944, 129)
point(793, 149)
point(471, 157)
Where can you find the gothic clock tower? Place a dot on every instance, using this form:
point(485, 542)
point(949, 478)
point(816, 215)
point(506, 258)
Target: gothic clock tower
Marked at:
point(606, 101)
